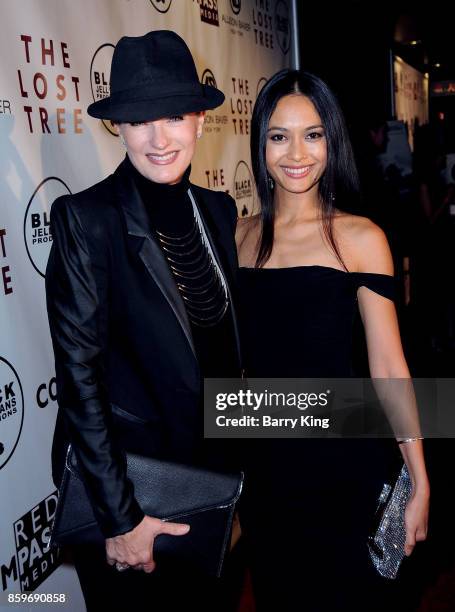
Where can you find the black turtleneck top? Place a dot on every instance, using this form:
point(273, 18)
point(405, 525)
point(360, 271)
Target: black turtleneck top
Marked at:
point(172, 220)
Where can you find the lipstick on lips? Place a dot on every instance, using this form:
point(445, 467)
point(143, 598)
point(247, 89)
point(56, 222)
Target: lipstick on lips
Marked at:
point(162, 160)
point(296, 172)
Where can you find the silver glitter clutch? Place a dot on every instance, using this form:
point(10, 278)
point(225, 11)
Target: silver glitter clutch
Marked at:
point(386, 542)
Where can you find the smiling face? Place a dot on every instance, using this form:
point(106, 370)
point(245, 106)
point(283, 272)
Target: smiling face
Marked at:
point(296, 149)
point(162, 150)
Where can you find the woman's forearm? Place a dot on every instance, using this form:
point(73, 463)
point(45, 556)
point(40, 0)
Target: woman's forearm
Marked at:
point(402, 412)
point(413, 456)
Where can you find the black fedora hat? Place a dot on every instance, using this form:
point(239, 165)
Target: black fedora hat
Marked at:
point(154, 76)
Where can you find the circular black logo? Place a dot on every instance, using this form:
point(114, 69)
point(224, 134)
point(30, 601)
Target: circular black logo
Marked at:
point(243, 191)
point(236, 6)
point(282, 25)
point(100, 71)
point(11, 411)
point(37, 234)
point(162, 6)
point(208, 78)
point(262, 81)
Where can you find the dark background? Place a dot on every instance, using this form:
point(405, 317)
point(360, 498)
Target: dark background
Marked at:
point(348, 44)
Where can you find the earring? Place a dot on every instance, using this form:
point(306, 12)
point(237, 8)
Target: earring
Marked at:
point(331, 197)
point(199, 134)
point(270, 181)
point(122, 140)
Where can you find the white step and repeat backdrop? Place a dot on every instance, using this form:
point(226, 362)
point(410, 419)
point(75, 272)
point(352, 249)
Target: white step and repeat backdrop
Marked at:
point(55, 60)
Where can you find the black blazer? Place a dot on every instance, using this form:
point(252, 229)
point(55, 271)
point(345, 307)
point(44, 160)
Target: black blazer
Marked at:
point(126, 368)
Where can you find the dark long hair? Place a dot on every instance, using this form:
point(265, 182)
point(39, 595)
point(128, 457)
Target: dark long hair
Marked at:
point(338, 186)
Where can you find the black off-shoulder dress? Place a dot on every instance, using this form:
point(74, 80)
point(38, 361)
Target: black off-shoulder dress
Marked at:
point(308, 504)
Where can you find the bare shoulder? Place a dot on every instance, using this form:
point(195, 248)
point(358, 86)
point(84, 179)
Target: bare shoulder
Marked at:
point(356, 227)
point(366, 243)
point(245, 227)
point(250, 221)
point(247, 235)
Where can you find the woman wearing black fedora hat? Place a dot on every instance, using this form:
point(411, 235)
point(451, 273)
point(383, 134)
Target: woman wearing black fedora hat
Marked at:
point(140, 310)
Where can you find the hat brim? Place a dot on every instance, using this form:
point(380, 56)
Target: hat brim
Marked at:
point(150, 109)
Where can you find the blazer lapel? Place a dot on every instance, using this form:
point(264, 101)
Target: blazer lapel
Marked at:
point(222, 256)
point(214, 236)
point(149, 251)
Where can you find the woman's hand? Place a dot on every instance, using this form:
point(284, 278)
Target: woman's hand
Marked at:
point(416, 519)
point(135, 548)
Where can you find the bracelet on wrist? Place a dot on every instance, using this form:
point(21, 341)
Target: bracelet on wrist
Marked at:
point(407, 440)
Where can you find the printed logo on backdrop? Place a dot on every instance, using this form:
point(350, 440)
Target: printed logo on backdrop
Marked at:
point(208, 11)
point(208, 78)
point(237, 25)
point(162, 6)
point(5, 107)
point(243, 188)
point(263, 23)
point(11, 410)
point(214, 120)
point(282, 25)
point(100, 72)
point(236, 6)
point(215, 179)
point(262, 81)
point(33, 562)
point(46, 392)
point(37, 231)
point(48, 86)
point(241, 105)
point(6, 281)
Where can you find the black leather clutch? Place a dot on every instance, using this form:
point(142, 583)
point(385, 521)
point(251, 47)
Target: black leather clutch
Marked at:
point(203, 499)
